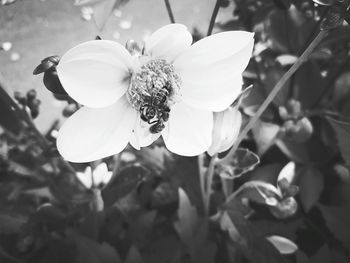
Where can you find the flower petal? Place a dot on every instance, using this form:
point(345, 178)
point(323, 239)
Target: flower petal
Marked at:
point(283, 245)
point(287, 172)
point(226, 128)
point(142, 137)
point(168, 42)
point(96, 73)
point(85, 177)
point(188, 131)
point(92, 134)
point(214, 94)
point(101, 174)
point(214, 65)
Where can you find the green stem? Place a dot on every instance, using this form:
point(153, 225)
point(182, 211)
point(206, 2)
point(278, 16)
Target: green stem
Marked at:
point(213, 17)
point(201, 177)
point(275, 90)
point(170, 12)
point(209, 177)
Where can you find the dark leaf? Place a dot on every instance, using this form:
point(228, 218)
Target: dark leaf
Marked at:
point(122, 184)
point(187, 223)
point(242, 161)
point(342, 132)
point(249, 240)
point(90, 251)
point(311, 184)
point(133, 256)
point(338, 221)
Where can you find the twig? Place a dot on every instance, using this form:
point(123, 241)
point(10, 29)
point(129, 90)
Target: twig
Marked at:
point(213, 17)
point(275, 90)
point(170, 12)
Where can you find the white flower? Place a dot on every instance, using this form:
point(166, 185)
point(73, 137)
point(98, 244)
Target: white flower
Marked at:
point(99, 176)
point(171, 90)
point(227, 124)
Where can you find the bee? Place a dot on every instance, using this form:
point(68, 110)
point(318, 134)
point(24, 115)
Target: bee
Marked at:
point(157, 127)
point(155, 110)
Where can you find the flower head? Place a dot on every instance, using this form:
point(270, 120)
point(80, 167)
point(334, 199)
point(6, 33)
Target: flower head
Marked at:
point(171, 89)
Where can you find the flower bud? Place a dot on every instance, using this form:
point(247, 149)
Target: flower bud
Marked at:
point(299, 130)
point(20, 98)
point(283, 113)
point(52, 83)
point(133, 47)
point(31, 94)
point(69, 110)
point(294, 108)
point(342, 172)
point(284, 209)
point(46, 64)
point(227, 125)
point(34, 112)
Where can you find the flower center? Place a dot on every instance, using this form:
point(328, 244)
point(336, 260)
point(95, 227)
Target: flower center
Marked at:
point(152, 91)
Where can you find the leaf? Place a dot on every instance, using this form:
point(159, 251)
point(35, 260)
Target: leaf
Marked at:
point(311, 183)
point(11, 222)
point(273, 75)
point(286, 59)
point(342, 132)
point(90, 251)
point(133, 256)
point(42, 192)
point(187, 220)
point(324, 2)
point(251, 242)
point(226, 224)
point(123, 183)
point(287, 30)
point(338, 221)
point(264, 134)
point(296, 152)
point(283, 245)
point(257, 191)
point(242, 161)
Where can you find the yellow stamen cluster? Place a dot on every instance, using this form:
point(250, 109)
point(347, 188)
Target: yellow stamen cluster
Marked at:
point(156, 80)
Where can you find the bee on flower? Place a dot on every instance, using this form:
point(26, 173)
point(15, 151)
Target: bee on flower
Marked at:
point(172, 88)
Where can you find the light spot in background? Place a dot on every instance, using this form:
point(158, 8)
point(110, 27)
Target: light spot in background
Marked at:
point(125, 24)
point(15, 56)
point(86, 13)
point(6, 46)
point(116, 35)
point(117, 13)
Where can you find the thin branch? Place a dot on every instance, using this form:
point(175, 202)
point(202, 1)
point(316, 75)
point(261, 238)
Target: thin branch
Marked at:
point(213, 17)
point(170, 12)
point(275, 90)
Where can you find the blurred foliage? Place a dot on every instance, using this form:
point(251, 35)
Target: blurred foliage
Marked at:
point(290, 179)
